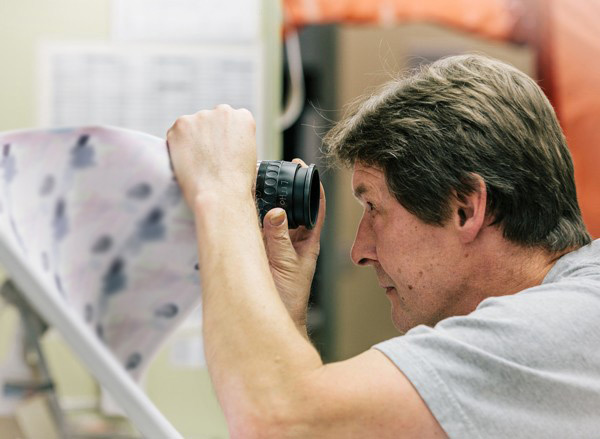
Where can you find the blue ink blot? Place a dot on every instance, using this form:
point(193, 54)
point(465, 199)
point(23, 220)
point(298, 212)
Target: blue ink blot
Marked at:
point(100, 331)
point(82, 155)
point(60, 209)
point(47, 185)
point(88, 312)
point(61, 223)
point(103, 244)
point(114, 279)
point(167, 311)
point(174, 195)
point(133, 361)
point(9, 164)
point(152, 228)
point(140, 191)
point(58, 283)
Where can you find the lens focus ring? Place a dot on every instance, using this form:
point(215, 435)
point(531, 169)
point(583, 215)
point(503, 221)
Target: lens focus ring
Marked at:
point(289, 186)
point(266, 186)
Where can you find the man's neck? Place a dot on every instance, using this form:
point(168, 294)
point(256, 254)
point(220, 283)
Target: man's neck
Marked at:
point(505, 268)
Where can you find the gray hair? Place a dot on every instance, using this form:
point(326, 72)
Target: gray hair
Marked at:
point(464, 115)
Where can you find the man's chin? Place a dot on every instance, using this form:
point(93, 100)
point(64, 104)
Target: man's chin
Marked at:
point(403, 321)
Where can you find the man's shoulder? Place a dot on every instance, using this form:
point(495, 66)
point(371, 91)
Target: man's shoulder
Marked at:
point(572, 283)
point(522, 351)
point(578, 264)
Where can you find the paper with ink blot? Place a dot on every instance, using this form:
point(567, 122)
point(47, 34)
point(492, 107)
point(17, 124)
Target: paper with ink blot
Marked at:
point(101, 220)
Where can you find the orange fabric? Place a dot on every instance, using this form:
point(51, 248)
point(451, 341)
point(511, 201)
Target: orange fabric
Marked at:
point(491, 18)
point(575, 57)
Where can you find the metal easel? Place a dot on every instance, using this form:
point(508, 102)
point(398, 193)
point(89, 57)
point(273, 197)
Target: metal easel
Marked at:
point(35, 327)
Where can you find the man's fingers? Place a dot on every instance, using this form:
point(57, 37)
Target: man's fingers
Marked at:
point(296, 160)
point(275, 226)
point(322, 209)
point(314, 235)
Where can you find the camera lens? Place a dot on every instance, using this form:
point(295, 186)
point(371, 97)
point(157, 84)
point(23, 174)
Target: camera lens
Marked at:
point(288, 185)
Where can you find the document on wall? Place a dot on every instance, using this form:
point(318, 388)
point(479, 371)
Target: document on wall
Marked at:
point(146, 87)
point(229, 21)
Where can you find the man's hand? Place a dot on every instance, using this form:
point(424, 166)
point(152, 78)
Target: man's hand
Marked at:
point(214, 152)
point(292, 257)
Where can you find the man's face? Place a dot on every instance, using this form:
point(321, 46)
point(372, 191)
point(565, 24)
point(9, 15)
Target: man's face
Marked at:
point(417, 264)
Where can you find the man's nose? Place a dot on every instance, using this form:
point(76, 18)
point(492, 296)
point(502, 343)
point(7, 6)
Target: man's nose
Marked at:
point(363, 250)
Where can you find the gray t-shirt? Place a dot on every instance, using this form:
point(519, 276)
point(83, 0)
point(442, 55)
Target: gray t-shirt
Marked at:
point(520, 366)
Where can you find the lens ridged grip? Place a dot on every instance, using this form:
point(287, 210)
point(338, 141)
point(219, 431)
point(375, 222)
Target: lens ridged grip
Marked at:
point(266, 186)
point(289, 186)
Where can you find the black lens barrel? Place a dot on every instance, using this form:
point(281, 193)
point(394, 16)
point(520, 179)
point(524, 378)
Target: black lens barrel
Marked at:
point(291, 187)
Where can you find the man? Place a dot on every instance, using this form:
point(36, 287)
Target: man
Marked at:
point(472, 225)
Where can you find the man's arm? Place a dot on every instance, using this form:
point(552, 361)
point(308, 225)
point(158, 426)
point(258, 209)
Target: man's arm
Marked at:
point(269, 379)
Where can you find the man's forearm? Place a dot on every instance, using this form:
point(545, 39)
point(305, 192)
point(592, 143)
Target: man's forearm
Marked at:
point(265, 352)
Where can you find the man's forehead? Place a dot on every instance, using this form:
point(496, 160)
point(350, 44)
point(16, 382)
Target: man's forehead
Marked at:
point(366, 179)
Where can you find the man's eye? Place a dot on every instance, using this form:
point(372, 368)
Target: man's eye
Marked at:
point(370, 206)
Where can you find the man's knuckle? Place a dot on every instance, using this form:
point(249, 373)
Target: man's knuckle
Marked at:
point(181, 122)
point(282, 235)
point(245, 117)
point(246, 114)
point(225, 108)
point(202, 115)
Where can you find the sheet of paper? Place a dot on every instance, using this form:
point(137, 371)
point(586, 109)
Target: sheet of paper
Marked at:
point(102, 223)
point(143, 87)
point(232, 21)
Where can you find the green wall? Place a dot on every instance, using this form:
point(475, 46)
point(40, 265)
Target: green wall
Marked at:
point(23, 24)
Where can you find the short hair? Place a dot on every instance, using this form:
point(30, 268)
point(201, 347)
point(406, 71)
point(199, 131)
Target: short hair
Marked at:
point(429, 132)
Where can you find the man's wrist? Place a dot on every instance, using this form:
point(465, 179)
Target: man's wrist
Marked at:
point(208, 201)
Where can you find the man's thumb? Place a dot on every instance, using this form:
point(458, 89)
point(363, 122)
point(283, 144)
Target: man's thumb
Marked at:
point(276, 229)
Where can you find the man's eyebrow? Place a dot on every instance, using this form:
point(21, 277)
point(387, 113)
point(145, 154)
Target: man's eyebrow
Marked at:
point(359, 191)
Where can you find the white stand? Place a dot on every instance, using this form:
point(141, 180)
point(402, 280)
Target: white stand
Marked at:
point(99, 361)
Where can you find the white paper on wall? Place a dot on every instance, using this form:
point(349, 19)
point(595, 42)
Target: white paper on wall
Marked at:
point(145, 87)
point(230, 21)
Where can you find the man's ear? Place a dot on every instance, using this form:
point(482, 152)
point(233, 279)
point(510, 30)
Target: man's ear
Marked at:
point(469, 212)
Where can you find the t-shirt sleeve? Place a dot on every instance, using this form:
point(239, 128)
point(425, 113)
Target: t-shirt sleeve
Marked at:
point(520, 366)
